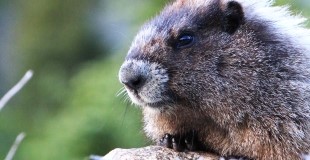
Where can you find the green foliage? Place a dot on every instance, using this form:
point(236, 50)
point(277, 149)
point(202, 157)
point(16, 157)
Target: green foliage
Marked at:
point(53, 39)
point(93, 122)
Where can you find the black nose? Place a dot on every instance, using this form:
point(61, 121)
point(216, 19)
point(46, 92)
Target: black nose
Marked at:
point(134, 82)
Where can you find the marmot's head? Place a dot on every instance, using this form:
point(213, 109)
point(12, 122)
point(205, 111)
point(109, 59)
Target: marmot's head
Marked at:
point(205, 53)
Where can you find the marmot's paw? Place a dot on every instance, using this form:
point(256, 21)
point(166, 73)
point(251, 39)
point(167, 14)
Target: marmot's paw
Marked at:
point(173, 142)
point(188, 142)
point(192, 142)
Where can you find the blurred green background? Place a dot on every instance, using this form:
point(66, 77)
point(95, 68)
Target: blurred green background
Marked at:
point(69, 109)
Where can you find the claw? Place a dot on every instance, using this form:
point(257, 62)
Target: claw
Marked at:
point(181, 143)
point(178, 144)
point(166, 141)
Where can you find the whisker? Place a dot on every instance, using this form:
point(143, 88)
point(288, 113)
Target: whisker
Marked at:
point(127, 99)
point(124, 114)
point(121, 91)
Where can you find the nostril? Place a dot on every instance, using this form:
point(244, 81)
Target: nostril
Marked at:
point(135, 82)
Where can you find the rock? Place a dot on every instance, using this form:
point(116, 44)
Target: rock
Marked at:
point(154, 153)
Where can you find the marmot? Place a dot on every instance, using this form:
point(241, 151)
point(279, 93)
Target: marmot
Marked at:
point(227, 76)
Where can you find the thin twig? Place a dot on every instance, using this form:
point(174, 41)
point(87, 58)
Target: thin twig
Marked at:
point(15, 89)
point(14, 147)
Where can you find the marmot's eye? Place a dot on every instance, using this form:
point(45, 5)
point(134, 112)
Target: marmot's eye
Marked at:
point(184, 40)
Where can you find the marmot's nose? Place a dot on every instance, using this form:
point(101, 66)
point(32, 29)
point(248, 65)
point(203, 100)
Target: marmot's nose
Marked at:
point(132, 76)
point(134, 82)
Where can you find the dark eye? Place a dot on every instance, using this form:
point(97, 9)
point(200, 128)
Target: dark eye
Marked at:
point(185, 40)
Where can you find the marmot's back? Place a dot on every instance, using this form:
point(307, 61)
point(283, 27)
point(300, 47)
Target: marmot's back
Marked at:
point(228, 76)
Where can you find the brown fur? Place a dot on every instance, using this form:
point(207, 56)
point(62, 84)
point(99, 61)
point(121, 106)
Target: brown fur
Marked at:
point(244, 89)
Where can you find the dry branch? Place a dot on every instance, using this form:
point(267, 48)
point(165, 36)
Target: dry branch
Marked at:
point(15, 146)
point(15, 89)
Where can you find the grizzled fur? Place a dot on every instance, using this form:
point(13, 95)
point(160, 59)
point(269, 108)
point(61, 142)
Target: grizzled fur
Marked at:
point(242, 85)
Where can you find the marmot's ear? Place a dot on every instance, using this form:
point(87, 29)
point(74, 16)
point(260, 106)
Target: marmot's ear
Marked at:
point(233, 17)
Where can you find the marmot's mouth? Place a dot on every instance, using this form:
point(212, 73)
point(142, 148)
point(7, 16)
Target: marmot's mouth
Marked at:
point(146, 101)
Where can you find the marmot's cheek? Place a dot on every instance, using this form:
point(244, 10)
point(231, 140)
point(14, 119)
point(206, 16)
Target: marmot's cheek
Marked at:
point(153, 92)
point(145, 82)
